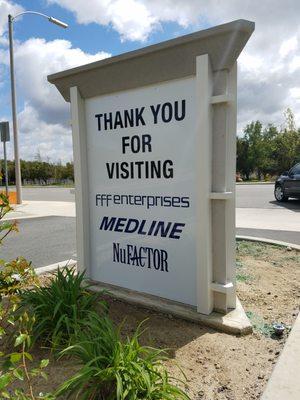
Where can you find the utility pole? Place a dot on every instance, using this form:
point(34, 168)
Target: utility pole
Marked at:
point(13, 93)
point(14, 113)
point(5, 137)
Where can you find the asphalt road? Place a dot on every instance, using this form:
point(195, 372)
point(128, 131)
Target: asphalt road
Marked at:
point(261, 196)
point(43, 241)
point(247, 196)
point(48, 240)
point(48, 193)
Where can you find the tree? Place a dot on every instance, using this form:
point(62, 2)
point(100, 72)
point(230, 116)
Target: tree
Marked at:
point(268, 150)
point(256, 152)
point(242, 160)
point(287, 145)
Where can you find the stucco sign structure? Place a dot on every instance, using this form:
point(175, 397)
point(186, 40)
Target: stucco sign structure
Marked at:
point(154, 151)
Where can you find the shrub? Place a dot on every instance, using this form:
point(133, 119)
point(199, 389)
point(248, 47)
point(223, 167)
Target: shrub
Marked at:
point(15, 276)
point(17, 366)
point(5, 227)
point(59, 306)
point(116, 370)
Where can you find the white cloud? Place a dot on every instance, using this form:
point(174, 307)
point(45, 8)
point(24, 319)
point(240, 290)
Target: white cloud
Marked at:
point(43, 124)
point(37, 58)
point(288, 46)
point(295, 94)
point(131, 18)
point(52, 140)
point(269, 67)
point(7, 7)
point(294, 64)
point(269, 64)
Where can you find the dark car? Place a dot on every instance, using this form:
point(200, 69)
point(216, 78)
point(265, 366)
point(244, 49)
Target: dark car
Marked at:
point(288, 184)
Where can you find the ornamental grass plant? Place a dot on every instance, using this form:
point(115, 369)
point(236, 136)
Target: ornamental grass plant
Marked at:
point(59, 306)
point(112, 369)
point(65, 314)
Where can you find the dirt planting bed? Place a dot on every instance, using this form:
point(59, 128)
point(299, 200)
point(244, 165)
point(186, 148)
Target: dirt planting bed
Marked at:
point(218, 365)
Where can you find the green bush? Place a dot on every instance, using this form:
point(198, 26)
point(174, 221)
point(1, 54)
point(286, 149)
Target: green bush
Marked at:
point(15, 277)
point(59, 306)
point(116, 370)
point(17, 366)
point(5, 226)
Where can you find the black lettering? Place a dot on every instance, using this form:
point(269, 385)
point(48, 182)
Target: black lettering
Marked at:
point(107, 224)
point(155, 169)
point(110, 169)
point(132, 229)
point(118, 120)
point(167, 169)
point(129, 118)
point(146, 142)
point(162, 228)
point(167, 112)
point(182, 116)
point(164, 260)
point(125, 143)
point(177, 228)
point(140, 231)
point(155, 112)
point(135, 144)
point(120, 224)
point(139, 117)
point(124, 168)
point(99, 116)
point(116, 252)
point(108, 121)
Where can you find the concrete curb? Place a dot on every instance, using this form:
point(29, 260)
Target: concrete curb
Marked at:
point(284, 383)
point(268, 241)
point(254, 183)
point(30, 217)
point(53, 267)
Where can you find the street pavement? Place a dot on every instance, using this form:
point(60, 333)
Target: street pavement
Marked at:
point(261, 196)
point(48, 193)
point(247, 196)
point(259, 215)
point(47, 223)
point(43, 241)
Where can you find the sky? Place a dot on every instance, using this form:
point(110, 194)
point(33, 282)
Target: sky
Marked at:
point(269, 67)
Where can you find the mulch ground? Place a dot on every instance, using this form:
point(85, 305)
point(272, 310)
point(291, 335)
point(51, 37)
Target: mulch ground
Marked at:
point(217, 365)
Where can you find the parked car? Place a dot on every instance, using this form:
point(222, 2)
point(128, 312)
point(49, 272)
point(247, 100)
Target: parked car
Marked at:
point(288, 184)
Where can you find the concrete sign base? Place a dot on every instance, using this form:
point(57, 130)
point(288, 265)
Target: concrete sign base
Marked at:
point(234, 322)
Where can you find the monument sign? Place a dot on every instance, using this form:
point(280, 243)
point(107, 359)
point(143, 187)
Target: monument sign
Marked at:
point(154, 150)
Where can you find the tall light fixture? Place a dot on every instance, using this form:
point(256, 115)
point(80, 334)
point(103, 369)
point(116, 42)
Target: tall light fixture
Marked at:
point(13, 94)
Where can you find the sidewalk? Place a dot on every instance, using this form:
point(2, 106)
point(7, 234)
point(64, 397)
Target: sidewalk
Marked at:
point(284, 383)
point(252, 218)
point(34, 209)
point(268, 218)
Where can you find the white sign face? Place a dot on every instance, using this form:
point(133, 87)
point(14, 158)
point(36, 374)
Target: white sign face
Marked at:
point(141, 151)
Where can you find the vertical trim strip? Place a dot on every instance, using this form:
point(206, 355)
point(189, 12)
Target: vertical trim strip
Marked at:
point(204, 148)
point(81, 180)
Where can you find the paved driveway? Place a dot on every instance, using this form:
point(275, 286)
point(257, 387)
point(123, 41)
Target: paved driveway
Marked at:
point(48, 236)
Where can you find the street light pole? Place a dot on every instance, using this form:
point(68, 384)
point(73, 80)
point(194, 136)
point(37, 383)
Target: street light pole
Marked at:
point(13, 95)
point(14, 112)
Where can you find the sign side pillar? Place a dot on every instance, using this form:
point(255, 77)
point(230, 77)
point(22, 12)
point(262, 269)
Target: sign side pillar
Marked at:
point(204, 151)
point(231, 183)
point(223, 189)
point(81, 180)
